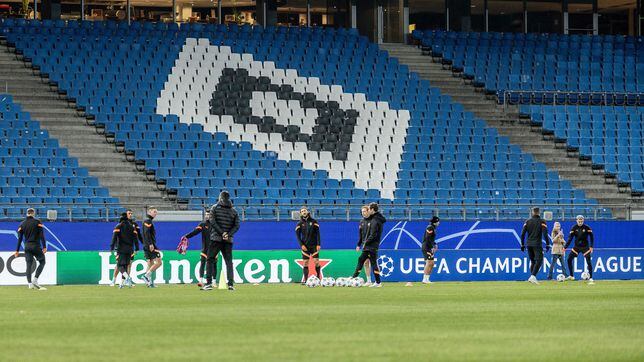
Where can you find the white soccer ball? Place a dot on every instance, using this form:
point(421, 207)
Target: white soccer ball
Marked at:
point(585, 275)
point(357, 282)
point(341, 282)
point(561, 278)
point(327, 282)
point(313, 282)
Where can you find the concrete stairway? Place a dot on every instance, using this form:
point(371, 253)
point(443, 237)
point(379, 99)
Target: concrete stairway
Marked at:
point(91, 149)
point(507, 121)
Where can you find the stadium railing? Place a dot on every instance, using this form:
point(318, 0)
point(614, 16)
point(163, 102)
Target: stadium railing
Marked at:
point(573, 98)
point(418, 212)
point(335, 212)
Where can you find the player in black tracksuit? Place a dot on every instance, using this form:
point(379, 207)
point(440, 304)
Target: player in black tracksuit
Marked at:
point(152, 254)
point(537, 229)
point(125, 243)
point(307, 232)
point(224, 223)
point(204, 229)
point(371, 243)
point(429, 248)
point(584, 243)
point(127, 215)
point(362, 228)
point(31, 230)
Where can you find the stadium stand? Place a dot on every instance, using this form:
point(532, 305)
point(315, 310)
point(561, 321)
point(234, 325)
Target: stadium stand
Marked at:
point(545, 68)
point(610, 138)
point(286, 116)
point(36, 172)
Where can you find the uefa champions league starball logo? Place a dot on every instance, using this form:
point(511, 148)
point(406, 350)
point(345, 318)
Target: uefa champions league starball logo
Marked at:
point(386, 265)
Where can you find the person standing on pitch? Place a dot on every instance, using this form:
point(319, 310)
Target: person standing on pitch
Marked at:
point(584, 243)
point(224, 223)
point(204, 229)
point(31, 230)
point(558, 251)
point(307, 233)
point(361, 231)
point(152, 254)
point(429, 248)
point(536, 229)
point(128, 215)
point(125, 243)
point(371, 243)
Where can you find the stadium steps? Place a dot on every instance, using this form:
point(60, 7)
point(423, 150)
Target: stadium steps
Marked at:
point(506, 120)
point(91, 149)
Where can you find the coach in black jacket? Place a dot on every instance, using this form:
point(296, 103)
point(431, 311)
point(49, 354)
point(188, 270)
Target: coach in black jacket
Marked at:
point(224, 223)
point(536, 229)
point(371, 243)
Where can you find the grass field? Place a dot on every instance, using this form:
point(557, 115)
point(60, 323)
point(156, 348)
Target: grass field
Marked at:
point(444, 321)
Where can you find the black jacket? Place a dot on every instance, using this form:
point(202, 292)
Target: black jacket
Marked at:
point(125, 237)
point(204, 229)
point(223, 219)
point(307, 232)
point(362, 231)
point(429, 239)
point(536, 229)
point(31, 230)
point(373, 232)
point(149, 233)
point(583, 236)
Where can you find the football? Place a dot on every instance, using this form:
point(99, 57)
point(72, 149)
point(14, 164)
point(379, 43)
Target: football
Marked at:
point(327, 282)
point(356, 282)
point(313, 282)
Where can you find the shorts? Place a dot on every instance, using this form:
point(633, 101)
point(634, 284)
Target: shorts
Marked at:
point(428, 254)
point(123, 259)
point(580, 251)
point(34, 250)
point(310, 251)
point(149, 255)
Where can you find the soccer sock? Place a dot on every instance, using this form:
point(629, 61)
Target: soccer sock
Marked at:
point(29, 266)
point(41, 266)
point(202, 267)
point(570, 269)
point(125, 275)
point(306, 272)
point(317, 271)
point(589, 263)
point(376, 274)
point(368, 277)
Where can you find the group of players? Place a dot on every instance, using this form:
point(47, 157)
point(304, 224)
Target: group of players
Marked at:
point(217, 231)
point(537, 229)
point(222, 222)
point(370, 229)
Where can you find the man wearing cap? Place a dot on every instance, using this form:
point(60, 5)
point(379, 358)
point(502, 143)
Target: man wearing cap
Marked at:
point(537, 230)
point(429, 248)
point(584, 242)
point(31, 230)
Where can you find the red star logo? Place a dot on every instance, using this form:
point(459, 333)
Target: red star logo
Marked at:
point(323, 264)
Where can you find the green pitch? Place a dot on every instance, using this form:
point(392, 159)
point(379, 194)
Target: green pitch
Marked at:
point(444, 321)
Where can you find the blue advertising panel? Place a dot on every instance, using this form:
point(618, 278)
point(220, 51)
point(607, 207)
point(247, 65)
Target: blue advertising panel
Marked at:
point(488, 265)
point(258, 235)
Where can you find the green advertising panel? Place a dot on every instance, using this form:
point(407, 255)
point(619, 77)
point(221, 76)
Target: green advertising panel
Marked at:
point(276, 266)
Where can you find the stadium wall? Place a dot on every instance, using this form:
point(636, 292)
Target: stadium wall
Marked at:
point(266, 252)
